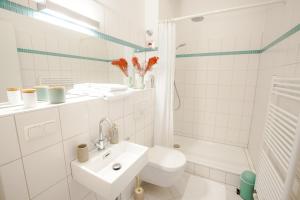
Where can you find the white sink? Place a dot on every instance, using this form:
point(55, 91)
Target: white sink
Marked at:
point(98, 174)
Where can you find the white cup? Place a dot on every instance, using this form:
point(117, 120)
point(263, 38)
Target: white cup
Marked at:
point(29, 98)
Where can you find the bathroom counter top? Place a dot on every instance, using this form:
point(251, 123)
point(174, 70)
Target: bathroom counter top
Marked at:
point(11, 110)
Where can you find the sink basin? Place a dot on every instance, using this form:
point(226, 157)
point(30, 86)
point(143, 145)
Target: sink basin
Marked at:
point(109, 172)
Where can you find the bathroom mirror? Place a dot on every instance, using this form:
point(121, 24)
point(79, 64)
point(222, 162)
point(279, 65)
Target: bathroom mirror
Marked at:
point(9, 62)
point(44, 52)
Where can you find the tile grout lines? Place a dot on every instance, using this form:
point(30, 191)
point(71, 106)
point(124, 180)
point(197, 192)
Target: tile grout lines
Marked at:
point(5, 4)
point(284, 36)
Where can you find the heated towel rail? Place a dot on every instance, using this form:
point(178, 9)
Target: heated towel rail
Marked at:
point(277, 166)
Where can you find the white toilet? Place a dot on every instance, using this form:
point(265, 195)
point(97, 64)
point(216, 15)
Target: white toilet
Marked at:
point(165, 166)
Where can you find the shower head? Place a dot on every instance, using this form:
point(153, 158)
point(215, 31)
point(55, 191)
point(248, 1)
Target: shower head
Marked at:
point(149, 33)
point(180, 45)
point(197, 19)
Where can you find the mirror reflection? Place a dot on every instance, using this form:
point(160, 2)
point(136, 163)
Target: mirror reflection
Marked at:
point(63, 44)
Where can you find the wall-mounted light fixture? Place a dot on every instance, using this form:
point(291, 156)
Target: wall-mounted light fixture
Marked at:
point(66, 14)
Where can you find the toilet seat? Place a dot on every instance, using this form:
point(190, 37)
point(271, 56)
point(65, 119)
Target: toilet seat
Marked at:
point(166, 159)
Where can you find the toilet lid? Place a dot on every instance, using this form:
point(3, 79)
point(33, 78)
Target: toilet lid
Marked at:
point(166, 158)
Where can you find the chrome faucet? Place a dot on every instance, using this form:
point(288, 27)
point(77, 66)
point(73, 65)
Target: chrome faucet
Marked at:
point(103, 140)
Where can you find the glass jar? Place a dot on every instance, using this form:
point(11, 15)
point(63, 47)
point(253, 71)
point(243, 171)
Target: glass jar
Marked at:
point(139, 81)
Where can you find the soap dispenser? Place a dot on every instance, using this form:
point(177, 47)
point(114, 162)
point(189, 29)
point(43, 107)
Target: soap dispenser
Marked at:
point(114, 134)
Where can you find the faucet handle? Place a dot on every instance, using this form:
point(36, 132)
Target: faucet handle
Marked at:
point(100, 144)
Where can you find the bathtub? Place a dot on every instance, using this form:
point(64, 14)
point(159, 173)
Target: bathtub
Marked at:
point(219, 162)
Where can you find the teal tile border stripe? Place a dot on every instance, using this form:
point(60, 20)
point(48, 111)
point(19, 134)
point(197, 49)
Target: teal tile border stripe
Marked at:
point(258, 51)
point(11, 6)
point(146, 50)
point(47, 53)
point(221, 53)
point(225, 53)
point(282, 37)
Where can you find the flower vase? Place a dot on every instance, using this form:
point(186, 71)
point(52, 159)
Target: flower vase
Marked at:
point(139, 81)
point(129, 81)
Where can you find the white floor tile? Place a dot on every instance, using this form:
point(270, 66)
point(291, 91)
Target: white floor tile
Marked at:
point(203, 189)
point(231, 193)
point(191, 188)
point(179, 187)
point(153, 192)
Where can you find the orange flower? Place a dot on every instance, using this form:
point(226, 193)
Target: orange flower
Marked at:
point(136, 63)
point(152, 61)
point(122, 64)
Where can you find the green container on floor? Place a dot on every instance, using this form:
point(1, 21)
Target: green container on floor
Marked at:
point(247, 182)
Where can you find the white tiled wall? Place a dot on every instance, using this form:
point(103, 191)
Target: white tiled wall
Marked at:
point(24, 122)
point(44, 168)
point(74, 120)
point(217, 92)
point(57, 191)
point(34, 34)
point(43, 171)
point(283, 59)
point(13, 183)
point(9, 146)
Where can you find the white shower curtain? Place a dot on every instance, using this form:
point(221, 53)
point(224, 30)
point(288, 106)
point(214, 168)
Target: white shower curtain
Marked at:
point(164, 85)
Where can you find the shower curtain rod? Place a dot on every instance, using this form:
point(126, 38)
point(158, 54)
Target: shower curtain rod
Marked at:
point(226, 10)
